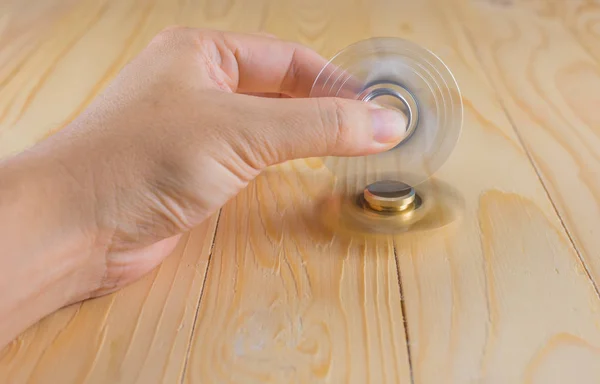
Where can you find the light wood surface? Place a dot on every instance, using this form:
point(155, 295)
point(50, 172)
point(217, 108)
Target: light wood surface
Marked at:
point(261, 293)
point(551, 92)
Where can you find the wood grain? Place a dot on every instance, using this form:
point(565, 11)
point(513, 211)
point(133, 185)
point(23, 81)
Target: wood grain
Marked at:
point(551, 91)
point(140, 334)
point(48, 76)
point(294, 304)
point(471, 301)
point(471, 298)
point(503, 296)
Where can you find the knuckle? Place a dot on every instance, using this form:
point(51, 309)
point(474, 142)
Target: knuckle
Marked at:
point(170, 34)
point(293, 75)
point(181, 36)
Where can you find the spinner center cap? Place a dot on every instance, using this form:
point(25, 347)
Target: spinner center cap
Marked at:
point(393, 96)
point(389, 195)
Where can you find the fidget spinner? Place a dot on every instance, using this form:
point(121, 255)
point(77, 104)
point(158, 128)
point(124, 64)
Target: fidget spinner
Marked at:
point(393, 190)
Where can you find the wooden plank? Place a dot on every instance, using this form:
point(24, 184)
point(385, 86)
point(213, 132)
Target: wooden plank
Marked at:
point(581, 18)
point(549, 84)
point(27, 66)
point(140, 334)
point(287, 302)
point(498, 301)
point(504, 298)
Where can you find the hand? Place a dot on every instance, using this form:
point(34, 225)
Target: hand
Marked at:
point(180, 131)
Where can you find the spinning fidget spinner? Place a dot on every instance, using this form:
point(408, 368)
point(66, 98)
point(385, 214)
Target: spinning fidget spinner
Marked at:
point(401, 75)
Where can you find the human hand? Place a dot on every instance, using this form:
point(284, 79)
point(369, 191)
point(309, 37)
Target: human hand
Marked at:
point(180, 131)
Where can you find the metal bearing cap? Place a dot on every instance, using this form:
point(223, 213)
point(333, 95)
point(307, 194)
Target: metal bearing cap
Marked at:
point(393, 96)
point(389, 196)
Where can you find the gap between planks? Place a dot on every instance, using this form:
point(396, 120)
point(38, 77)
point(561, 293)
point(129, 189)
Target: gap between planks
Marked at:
point(404, 317)
point(190, 341)
point(532, 163)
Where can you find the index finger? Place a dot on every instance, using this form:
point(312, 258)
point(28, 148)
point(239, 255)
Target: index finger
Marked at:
point(269, 65)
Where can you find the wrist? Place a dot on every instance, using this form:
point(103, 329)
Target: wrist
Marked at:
point(47, 259)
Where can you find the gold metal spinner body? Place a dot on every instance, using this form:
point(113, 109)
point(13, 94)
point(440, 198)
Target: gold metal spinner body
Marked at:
point(394, 192)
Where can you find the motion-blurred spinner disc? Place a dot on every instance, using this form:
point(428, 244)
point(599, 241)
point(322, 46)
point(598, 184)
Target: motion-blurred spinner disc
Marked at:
point(397, 74)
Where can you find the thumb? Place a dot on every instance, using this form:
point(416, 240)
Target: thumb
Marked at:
point(287, 129)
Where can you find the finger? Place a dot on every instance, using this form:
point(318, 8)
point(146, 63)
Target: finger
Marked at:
point(270, 65)
point(286, 129)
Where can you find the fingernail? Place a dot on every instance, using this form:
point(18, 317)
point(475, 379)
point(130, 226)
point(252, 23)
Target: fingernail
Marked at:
point(388, 125)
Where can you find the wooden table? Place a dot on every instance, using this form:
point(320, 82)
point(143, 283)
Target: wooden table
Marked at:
point(257, 295)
